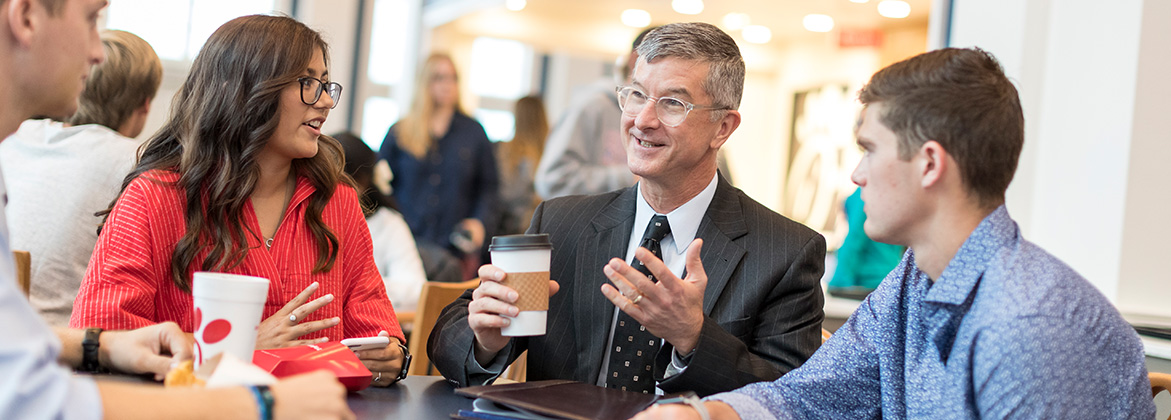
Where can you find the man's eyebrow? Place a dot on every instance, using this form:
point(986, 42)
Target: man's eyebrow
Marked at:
point(678, 91)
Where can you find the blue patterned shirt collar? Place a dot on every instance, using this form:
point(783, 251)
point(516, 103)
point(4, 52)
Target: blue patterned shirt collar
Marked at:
point(962, 274)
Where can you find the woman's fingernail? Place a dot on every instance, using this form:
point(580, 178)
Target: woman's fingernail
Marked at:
point(335, 320)
point(329, 297)
point(313, 286)
point(322, 339)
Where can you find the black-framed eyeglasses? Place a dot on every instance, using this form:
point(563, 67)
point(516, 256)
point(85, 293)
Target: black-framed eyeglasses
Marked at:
point(311, 88)
point(671, 111)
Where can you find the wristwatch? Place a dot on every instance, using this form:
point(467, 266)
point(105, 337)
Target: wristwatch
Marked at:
point(402, 374)
point(90, 362)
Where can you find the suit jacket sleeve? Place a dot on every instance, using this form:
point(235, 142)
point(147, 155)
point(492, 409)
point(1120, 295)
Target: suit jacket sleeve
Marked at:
point(761, 348)
point(451, 341)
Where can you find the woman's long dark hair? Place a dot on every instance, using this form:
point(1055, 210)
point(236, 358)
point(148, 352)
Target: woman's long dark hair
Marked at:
point(220, 121)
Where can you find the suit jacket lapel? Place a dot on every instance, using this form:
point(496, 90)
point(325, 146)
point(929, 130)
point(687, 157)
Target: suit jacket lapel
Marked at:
point(722, 223)
point(607, 238)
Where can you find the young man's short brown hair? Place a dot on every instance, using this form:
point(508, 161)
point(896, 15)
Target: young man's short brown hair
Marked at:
point(54, 6)
point(961, 99)
point(129, 77)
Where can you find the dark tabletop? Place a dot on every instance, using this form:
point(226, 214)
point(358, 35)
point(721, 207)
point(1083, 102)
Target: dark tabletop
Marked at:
point(416, 397)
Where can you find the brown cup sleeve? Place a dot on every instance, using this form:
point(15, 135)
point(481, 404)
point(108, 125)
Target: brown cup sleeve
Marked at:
point(533, 289)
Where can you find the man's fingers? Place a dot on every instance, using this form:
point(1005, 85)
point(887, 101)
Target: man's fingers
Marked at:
point(158, 365)
point(624, 304)
point(486, 321)
point(624, 287)
point(553, 287)
point(657, 268)
point(494, 290)
point(489, 305)
point(637, 280)
point(490, 272)
point(300, 299)
point(695, 271)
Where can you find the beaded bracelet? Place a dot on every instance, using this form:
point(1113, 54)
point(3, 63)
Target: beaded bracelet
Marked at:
point(263, 400)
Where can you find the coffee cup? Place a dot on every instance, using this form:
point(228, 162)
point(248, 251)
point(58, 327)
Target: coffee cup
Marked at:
point(228, 308)
point(525, 259)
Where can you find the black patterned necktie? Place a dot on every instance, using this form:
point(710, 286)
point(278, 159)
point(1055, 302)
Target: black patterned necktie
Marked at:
point(632, 355)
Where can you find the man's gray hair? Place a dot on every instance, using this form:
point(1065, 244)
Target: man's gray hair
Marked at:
point(708, 44)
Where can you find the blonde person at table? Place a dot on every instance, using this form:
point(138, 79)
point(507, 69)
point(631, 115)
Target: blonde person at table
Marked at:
point(82, 163)
point(240, 180)
point(48, 48)
point(975, 322)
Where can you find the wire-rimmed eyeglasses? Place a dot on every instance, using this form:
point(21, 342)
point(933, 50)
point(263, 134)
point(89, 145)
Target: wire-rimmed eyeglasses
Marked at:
point(671, 111)
point(311, 88)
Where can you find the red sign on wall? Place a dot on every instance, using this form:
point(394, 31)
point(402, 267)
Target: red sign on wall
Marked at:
point(859, 38)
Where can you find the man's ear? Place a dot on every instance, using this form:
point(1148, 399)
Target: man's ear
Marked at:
point(20, 20)
point(932, 163)
point(145, 107)
point(728, 125)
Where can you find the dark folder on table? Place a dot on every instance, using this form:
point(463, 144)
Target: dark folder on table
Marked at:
point(560, 399)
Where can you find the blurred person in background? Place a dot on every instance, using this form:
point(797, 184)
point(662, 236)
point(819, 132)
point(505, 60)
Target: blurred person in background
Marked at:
point(61, 174)
point(444, 171)
point(584, 153)
point(395, 253)
point(518, 166)
point(240, 180)
point(49, 47)
point(862, 262)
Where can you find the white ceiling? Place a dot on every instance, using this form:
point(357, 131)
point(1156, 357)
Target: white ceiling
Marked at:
point(594, 25)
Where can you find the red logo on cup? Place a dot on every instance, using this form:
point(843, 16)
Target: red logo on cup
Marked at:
point(214, 331)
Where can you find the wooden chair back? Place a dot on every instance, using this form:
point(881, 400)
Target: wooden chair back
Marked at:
point(1160, 382)
point(23, 270)
point(432, 300)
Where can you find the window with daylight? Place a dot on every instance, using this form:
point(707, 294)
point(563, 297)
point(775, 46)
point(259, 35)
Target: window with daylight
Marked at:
point(177, 29)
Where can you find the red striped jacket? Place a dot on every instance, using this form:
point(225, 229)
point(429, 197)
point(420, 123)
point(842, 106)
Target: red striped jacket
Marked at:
point(128, 283)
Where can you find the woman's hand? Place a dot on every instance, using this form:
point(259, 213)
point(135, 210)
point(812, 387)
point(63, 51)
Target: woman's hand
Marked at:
point(475, 230)
point(284, 328)
point(384, 363)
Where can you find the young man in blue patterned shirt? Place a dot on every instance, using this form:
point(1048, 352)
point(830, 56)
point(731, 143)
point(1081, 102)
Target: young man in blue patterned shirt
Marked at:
point(975, 322)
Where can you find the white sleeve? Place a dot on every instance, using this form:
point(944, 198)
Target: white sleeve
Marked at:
point(397, 259)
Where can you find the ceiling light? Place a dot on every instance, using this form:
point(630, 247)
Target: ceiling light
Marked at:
point(637, 18)
point(818, 23)
point(757, 34)
point(896, 9)
point(736, 21)
point(687, 7)
point(515, 5)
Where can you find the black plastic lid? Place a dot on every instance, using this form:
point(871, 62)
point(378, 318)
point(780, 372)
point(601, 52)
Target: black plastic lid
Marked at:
point(520, 242)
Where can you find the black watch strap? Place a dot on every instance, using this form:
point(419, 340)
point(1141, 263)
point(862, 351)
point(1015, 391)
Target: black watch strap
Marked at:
point(402, 374)
point(90, 362)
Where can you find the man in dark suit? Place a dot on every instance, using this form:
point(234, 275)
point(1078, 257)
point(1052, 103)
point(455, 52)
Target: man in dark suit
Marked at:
point(747, 309)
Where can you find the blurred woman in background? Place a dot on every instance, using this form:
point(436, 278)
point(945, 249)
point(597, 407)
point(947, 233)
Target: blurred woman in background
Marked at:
point(394, 247)
point(518, 166)
point(444, 171)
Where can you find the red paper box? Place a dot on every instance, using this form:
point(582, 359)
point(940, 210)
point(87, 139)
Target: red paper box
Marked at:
point(331, 356)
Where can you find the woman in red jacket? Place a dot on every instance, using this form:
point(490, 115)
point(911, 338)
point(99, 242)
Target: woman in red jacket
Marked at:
point(240, 180)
